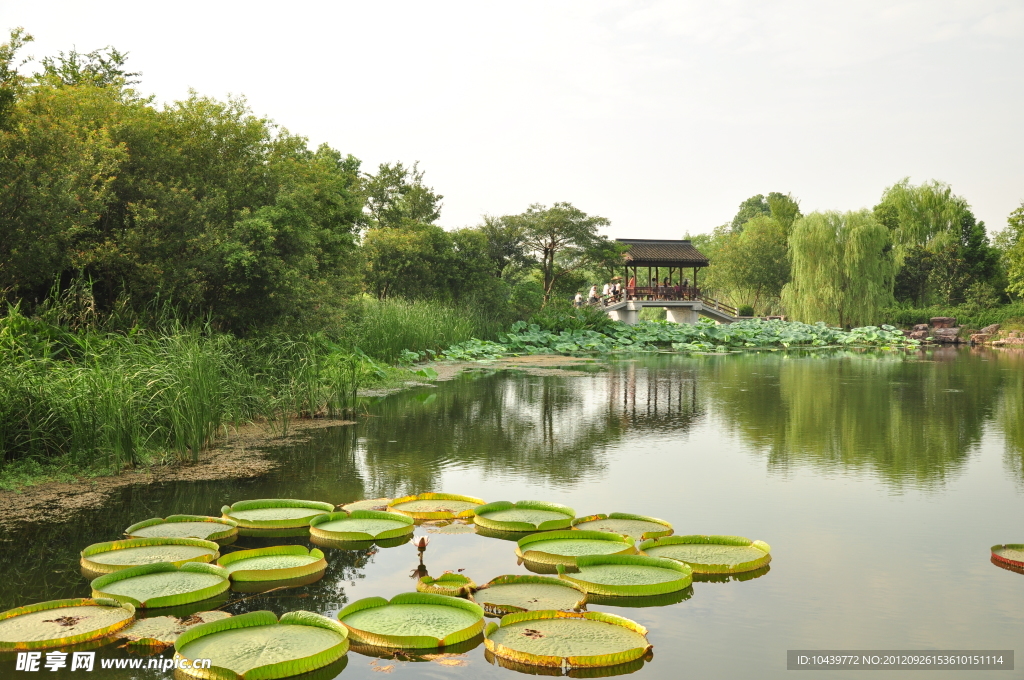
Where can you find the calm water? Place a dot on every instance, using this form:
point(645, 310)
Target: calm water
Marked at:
point(880, 482)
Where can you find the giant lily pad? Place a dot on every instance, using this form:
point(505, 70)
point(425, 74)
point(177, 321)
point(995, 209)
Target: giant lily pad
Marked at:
point(274, 513)
point(379, 504)
point(1011, 554)
point(636, 527)
point(515, 593)
point(436, 506)
point(104, 558)
point(563, 547)
point(275, 563)
point(628, 575)
point(711, 554)
point(455, 585)
point(162, 631)
point(61, 623)
point(361, 525)
point(162, 584)
point(185, 526)
point(524, 516)
point(257, 645)
point(412, 620)
point(640, 601)
point(573, 639)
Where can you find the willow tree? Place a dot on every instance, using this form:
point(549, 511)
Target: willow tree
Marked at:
point(841, 268)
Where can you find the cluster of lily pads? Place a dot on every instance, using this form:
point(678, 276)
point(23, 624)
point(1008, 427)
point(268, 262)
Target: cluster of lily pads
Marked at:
point(176, 560)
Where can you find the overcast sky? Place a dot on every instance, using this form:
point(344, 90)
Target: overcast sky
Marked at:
point(661, 116)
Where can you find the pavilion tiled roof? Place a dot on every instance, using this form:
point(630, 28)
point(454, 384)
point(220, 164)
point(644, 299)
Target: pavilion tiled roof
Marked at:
point(655, 253)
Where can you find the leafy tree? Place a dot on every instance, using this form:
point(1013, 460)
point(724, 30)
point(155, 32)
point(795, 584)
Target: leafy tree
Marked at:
point(750, 208)
point(1013, 242)
point(506, 246)
point(842, 268)
point(753, 265)
point(783, 207)
point(11, 82)
point(102, 67)
point(413, 262)
point(397, 196)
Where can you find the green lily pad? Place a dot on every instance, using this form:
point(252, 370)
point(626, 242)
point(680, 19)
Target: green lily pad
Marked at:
point(711, 554)
point(412, 620)
point(162, 631)
point(379, 504)
point(563, 547)
point(574, 639)
point(436, 506)
point(257, 645)
point(104, 558)
point(524, 516)
point(274, 513)
point(640, 601)
point(455, 585)
point(62, 623)
point(184, 526)
point(361, 525)
point(1010, 553)
point(628, 575)
point(636, 527)
point(264, 586)
point(274, 563)
point(515, 593)
point(162, 584)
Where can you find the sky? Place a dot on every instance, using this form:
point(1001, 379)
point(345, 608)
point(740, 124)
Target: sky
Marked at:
point(660, 115)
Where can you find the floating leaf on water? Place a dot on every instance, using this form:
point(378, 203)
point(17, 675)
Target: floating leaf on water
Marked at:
point(162, 631)
point(640, 601)
point(524, 516)
point(628, 575)
point(574, 639)
point(453, 527)
point(104, 558)
point(436, 506)
point(637, 527)
point(256, 645)
point(293, 532)
point(1011, 554)
point(563, 547)
point(512, 536)
point(379, 504)
point(264, 586)
point(361, 525)
point(711, 554)
point(162, 584)
point(455, 585)
point(736, 576)
point(184, 526)
point(515, 593)
point(275, 513)
point(62, 623)
point(275, 563)
point(412, 620)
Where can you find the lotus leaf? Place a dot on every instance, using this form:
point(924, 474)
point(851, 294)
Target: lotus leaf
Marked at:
point(184, 526)
point(256, 645)
point(435, 506)
point(361, 525)
point(61, 623)
point(275, 513)
point(1011, 553)
point(515, 593)
point(412, 620)
point(274, 563)
point(448, 583)
point(636, 527)
point(574, 639)
point(162, 584)
point(629, 575)
point(104, 558)
point(524, 516)
point(161, 631)
point(380, 504)
point(711, 554)
point(563, 547)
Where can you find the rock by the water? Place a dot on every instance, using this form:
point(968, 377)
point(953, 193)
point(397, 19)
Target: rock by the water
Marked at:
point(991, 330)
point(943, 322)
point(920, 327)
point(946, 335)
point(980, 338)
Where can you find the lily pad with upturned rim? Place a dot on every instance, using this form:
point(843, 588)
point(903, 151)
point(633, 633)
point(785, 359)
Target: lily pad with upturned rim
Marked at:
point(274, 563)
point(524, 516)
point(637, 527)
point(257, 645)
point(436, 506)
point(104, 558)
point(162, 584)
point(629, 575)
point(711, 554)
point(412, 620)
point(454, 585)
point(361, 525)
point(573, 639)
point(563, 547)
point(274, 513)
point(62, 623)
point(379, 504)
point(162, 631)
point(517, 593)
point(184, 526)
point(1009, 553)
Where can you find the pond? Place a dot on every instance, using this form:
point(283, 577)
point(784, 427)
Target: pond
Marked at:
point(880, 480)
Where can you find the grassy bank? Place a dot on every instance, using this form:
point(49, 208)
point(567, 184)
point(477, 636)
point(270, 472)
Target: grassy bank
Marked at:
point(967, 316)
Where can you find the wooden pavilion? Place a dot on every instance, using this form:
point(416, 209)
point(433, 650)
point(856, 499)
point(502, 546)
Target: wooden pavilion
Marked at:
point(673, 258)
